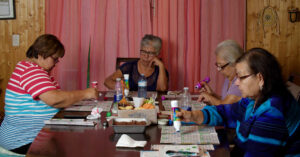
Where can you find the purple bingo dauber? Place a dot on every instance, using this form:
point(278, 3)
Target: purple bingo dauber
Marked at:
point(199, 86)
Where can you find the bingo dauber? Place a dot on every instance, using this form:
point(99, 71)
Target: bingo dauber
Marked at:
point(199, 86)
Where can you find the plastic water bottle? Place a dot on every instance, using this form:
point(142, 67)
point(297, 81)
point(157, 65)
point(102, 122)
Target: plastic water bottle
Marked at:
point(142, 86)
point(186, 99)
point(118, 88)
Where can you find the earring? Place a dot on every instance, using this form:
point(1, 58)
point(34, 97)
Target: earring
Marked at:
point(260, 87)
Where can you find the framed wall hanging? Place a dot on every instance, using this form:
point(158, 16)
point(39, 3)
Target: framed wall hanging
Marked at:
point(7, 9)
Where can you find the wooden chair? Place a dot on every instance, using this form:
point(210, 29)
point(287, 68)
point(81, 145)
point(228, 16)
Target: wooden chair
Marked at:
point(121, 60)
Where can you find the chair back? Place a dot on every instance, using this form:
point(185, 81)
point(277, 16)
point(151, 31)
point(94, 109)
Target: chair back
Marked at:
point(121, 60)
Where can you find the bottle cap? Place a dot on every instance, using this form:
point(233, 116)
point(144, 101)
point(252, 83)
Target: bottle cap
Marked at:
point(108, 114)
point(118, 79)
point(174, 103)
point(177, 125)
point(126, 76)
point(185, 88)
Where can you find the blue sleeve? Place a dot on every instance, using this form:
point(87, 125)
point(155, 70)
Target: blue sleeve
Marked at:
point(223, 115)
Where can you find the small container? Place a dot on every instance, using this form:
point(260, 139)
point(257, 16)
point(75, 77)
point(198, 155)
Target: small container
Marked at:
point(94, 84)
point(163, 121)
point(130, 128)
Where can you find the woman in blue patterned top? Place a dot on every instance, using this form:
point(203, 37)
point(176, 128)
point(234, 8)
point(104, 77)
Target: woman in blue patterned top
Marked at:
point(266, 118)
point(148, 64)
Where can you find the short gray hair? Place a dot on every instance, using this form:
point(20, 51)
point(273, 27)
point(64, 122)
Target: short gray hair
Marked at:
point(229, 50)
point(151, 40)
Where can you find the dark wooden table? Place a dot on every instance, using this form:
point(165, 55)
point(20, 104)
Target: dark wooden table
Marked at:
point(81, 141)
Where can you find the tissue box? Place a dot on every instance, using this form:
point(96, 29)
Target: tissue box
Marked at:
point(149, 114)
point(129, 128)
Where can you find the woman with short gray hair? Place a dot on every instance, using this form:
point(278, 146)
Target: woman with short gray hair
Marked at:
point(227, 52)
point(148, 64)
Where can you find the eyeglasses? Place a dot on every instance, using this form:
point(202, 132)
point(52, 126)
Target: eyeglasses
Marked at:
point(219, 68)
point(149, 53)
point(241, 78)
point(56, 60)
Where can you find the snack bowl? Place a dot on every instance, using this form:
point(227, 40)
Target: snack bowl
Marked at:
point(137, 101)
point(130, 125)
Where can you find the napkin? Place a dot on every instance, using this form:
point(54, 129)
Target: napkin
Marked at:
point(126, 141)
point(95, 114)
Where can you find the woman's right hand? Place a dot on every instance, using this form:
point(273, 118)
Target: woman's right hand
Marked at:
point(206, 88)
point(185, 115)
point(191, 116)
point(91, 93)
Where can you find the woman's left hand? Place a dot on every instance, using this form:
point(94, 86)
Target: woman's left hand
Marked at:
point(204, 97)
point(156, 61)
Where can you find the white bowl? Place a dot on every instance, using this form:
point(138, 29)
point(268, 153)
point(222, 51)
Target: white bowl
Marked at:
point(137, 101)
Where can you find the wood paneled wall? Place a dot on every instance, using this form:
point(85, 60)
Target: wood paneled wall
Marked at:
point(284, 42)
point(29, 24)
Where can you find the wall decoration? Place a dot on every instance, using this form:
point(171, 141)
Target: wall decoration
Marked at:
point(7, 9)
point(269, 18)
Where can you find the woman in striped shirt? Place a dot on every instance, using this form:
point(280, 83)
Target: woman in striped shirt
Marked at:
point(33, 96)
point(266, 118)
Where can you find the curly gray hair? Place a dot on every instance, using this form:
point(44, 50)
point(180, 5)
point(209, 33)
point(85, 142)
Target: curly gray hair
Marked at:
point(229, 50)
point(151, 40)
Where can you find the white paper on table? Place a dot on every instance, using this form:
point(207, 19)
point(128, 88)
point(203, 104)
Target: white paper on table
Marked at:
point(105, 105)
point(60, 121)
point(169, 96)
point(189, 135)
point(195, 105)
point(203, 146)
point(184, 148)
point(126, 141)
point(194, 96)
point(149, 153)
point(110, 94)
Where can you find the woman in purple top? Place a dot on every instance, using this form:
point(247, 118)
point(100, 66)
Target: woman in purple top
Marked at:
point(227, 52)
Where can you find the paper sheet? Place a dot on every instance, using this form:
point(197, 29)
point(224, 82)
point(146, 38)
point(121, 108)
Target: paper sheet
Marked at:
point(204, 146)
point(195, 105)
point(173, 96)
point(88, 106)
point(149, 154)
point(189, 135)
point(59, 121)
point(162, 149)
point(110, 94)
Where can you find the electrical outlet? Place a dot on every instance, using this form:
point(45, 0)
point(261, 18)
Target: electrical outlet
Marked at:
point(15, 40)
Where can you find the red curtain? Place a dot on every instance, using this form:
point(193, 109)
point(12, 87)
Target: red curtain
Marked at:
point(190, 30)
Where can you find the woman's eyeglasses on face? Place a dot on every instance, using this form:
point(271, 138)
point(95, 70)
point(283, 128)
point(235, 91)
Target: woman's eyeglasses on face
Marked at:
point(56, 60)
point(219, 68)
point(241, 78)
point(149, 53)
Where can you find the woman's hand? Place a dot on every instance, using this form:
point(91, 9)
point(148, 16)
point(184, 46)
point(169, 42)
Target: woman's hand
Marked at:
point(156, 61)
point(185, 115)
point(191, 116)
point(204, 97)
point(206, 88)
point(91, 93)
